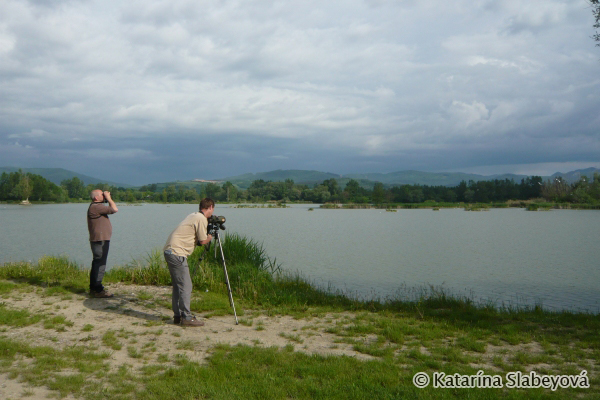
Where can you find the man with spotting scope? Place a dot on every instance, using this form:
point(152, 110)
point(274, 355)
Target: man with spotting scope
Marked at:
point(191, 232)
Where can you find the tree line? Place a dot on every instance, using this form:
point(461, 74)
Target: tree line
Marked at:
point(18, 186)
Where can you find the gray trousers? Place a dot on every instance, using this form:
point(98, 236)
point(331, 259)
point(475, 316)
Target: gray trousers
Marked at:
point(182, 285)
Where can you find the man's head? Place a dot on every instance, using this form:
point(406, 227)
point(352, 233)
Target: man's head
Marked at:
point(207, 206)
point(97, 196)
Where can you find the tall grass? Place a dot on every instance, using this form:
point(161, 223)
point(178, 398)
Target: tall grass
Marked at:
point(49, 271)
point(152, 270)
point(239, 249)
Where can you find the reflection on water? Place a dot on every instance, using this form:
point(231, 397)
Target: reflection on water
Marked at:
point(508, 256)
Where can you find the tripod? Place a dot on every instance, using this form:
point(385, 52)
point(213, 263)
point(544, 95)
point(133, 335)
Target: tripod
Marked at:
point(218, 240)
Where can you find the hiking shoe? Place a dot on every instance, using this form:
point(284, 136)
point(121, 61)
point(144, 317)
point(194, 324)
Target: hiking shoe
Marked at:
point(102, 295)
point(176, 320)
point(191, 322)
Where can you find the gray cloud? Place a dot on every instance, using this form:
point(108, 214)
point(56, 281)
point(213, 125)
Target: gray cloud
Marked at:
point(156, 89)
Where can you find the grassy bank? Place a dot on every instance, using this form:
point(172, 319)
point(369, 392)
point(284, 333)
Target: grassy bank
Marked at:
point(434, 332)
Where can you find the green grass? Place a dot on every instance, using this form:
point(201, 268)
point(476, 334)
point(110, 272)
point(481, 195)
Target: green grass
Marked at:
point(18, 318)
point(110, 339)
point(48, 363)
point(59, 323)
point(246, 372)
point(426, 330)
point(186, 345)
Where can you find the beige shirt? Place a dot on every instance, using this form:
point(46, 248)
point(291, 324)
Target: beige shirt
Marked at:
point(99, 225)
point(189, 232)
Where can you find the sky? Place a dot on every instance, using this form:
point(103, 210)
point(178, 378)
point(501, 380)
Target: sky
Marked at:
point(144, 91)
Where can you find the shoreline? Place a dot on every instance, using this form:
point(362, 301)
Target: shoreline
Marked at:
point(529, 205)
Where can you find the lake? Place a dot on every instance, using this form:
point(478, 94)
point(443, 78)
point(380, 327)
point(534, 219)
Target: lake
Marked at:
point(508, 256)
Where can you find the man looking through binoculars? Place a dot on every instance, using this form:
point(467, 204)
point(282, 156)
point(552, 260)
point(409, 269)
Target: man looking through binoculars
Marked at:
point(100, 230)
point(191, 232)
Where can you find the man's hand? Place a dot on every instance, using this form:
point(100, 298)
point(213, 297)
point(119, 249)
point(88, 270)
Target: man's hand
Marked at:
point(111, 203)
point(208, 239)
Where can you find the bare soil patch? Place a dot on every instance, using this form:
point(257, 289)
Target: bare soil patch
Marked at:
point(146, 334)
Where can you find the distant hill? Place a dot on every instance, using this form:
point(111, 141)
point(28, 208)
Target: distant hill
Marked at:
point(575, 176)
point(57, 175)
point(408, 177)
point(430, 178)
point(367, 180)
point(298, 176)
point(310, 178)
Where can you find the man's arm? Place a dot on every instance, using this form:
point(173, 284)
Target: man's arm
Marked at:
point(111, 203)
point(201, 231)
point(206, 241)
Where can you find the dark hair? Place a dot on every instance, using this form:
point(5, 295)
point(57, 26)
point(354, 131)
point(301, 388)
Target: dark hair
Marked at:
point(206, 203)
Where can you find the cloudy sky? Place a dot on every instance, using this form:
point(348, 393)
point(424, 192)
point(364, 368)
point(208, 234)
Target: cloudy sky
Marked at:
point(143, 91)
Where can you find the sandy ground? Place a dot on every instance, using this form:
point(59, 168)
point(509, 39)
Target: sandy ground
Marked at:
point(149, 328)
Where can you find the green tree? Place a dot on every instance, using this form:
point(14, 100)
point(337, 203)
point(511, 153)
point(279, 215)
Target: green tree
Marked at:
point(450, 196)
point(595, 188)
point(332, 186)
point(415, 195)
point(5, 186)
point(584, 191)
point(148, 188)
point(230, 191)
point(20, 186)
point(22, 190)
point(378, 195)
point(171, 193)
point(469, 195)
point(44, 190)
point(530, 188)
point(129, 196)
point(213, 191)
point(319, 194)
point(74, 187)
point(256, 191)
point(556, 190)
point(352, 190)
point(191, 195)
point(595, 4)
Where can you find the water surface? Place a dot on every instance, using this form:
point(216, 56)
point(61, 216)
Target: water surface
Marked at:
point(508, 256)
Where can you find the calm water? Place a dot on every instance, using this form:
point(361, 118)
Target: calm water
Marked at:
point(508, 256)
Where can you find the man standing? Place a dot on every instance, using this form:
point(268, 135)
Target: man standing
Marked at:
point(191, 232)
point(100, 232)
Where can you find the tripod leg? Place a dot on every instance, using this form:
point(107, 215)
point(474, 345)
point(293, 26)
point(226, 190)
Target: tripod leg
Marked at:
point(227, 279)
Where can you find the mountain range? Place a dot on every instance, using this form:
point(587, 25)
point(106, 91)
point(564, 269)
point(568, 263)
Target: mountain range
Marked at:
point(57, 175)
point(394, 178)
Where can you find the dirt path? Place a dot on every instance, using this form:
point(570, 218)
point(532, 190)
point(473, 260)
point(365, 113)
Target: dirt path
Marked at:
point(137, 323)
